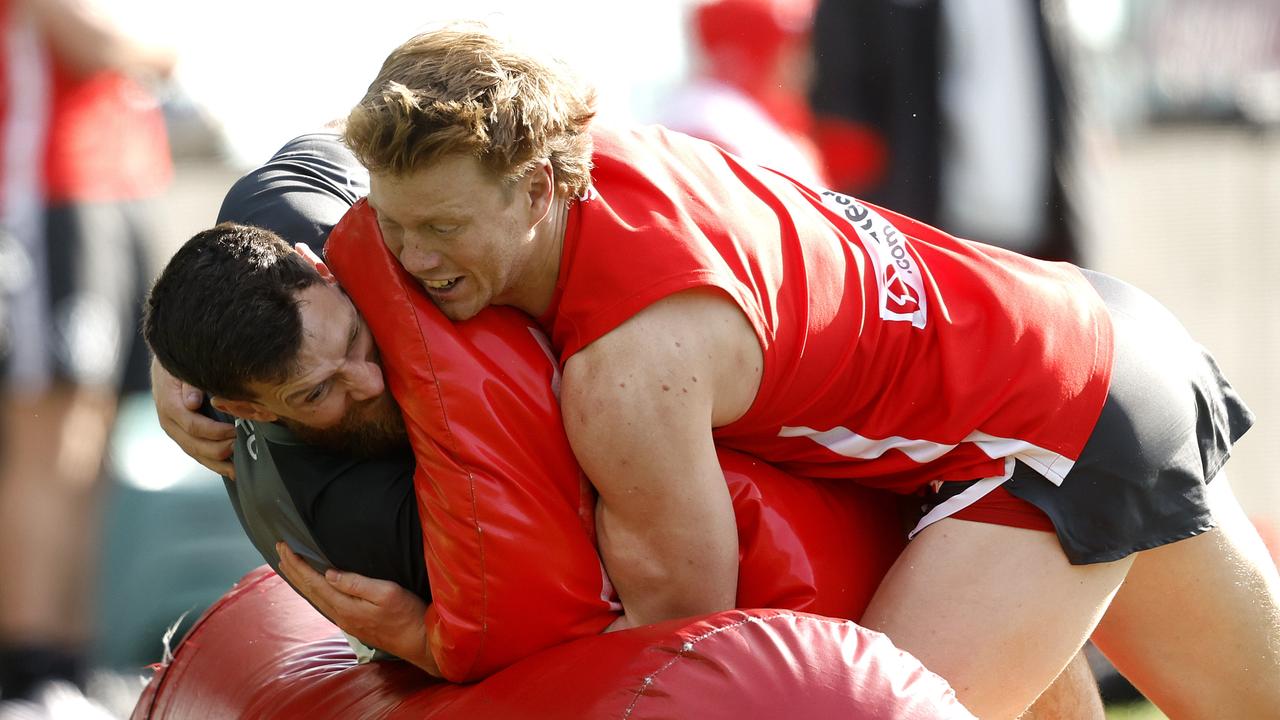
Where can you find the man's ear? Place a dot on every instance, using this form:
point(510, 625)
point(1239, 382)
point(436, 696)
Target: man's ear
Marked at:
point(541, 187)
point(310, 256)
point(244, 409)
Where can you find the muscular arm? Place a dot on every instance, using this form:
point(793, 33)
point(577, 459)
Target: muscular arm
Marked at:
point(639, 406)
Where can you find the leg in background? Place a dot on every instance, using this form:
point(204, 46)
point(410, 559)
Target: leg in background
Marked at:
point(1196, 625)
point(50, 467)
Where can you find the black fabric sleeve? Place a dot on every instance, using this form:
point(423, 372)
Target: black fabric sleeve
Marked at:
point(362, 512)
point(301, 192)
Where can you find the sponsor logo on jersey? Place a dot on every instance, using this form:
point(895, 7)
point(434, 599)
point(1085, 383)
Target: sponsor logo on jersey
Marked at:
point(901, 284)
point(900, 297)
point(251, 436)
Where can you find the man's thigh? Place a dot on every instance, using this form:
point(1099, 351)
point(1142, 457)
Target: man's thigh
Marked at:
point(998, 611)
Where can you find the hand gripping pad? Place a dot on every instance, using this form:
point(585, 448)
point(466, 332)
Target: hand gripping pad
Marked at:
point(507, 516)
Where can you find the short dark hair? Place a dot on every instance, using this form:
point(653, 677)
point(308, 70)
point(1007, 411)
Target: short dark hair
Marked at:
point(224, 312)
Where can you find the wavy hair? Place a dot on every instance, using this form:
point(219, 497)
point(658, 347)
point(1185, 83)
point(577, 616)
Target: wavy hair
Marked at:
point(461, 90)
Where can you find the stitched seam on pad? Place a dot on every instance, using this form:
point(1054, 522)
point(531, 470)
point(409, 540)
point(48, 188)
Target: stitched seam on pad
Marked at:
point(471, 482)
point(471, 495)
point(688, 646)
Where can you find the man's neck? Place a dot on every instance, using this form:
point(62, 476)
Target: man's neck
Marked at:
point(544, 265)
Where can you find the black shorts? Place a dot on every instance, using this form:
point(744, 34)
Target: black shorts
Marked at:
point(1165, 431)
point(70, 314)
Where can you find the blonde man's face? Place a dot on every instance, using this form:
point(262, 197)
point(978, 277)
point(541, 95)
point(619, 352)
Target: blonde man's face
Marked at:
point(461, 232)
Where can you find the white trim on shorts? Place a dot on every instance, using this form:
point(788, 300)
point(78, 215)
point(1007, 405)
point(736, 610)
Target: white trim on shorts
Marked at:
point(963, 499)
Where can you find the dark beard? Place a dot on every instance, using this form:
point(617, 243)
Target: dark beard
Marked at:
point(371, 430)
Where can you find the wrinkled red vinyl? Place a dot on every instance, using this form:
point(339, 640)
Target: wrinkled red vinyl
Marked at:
point(263, 652)
point(506, 513)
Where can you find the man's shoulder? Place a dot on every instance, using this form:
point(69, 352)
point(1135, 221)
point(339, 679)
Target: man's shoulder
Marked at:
point(301, 192)
point(685, 344)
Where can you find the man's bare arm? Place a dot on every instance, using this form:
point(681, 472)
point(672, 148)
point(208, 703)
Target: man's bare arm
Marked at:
point(639, 406)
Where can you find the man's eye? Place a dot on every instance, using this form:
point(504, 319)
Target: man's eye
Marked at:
point(317, 392)
point(443, 229)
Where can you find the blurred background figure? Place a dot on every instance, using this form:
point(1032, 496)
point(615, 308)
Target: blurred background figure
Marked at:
point(83, 149)
point(950, 111)
point(746, 90)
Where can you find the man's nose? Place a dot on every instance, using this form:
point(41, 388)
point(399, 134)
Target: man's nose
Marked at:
point(416, 257)
point(365, 380)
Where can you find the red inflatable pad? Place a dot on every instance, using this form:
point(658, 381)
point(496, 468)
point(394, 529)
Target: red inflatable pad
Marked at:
point(507, 515)
point(261, 652)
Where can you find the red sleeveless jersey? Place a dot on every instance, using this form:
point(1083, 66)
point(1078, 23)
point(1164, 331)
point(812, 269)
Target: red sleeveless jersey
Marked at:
point(894, 354)
point(66, 137)
point(107, 139)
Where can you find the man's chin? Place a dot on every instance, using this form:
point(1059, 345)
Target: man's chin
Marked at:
point(456, 312)
point(367, 439)
point(457, 309)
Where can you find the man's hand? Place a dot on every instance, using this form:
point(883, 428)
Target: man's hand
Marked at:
point(378, 612)
point(178, 405)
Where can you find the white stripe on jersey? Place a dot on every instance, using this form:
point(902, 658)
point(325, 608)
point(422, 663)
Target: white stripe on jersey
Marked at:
point(22, 198)
point(847, 443)
point(1046, 462)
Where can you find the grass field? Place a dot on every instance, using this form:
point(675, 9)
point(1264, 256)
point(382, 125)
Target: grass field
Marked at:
point(1135, 711)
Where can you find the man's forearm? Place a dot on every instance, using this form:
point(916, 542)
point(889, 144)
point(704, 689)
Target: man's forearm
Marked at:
point(663, 576)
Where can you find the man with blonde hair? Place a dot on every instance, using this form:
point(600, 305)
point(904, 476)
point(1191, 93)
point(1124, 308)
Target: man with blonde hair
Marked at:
point(1059, 426)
